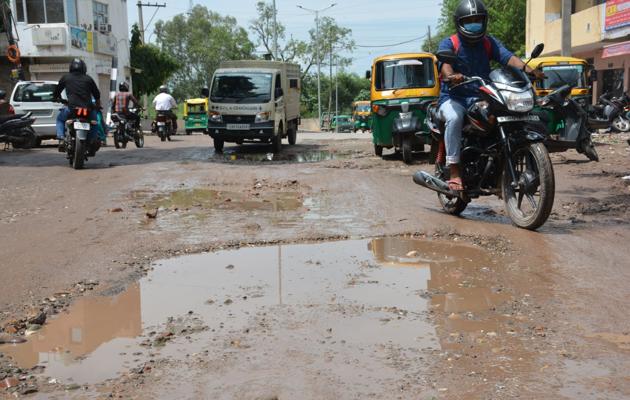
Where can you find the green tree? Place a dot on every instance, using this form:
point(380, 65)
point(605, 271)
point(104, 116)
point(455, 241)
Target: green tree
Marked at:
point(200, 41)
point(506, 23)
point(262, 28)
point(364, 94)
point(151, 66)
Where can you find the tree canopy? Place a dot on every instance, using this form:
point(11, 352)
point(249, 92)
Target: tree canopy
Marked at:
point(200, 41)
point(151, 67)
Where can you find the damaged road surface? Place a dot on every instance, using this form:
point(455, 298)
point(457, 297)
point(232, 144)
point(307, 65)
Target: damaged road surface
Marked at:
point(324, 273)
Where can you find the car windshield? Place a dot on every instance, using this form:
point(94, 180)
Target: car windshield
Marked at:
point(363, 108)
point(409, 73)
point(34, 92)
point(251, 88)
point(560, 75)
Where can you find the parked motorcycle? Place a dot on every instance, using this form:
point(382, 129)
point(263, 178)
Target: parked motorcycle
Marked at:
point(17, 130)
point(502, 154)
point(565, 123)
point(602, 114)
point(164, 126)
point(622, 122)
point(127, 130)
point(77, 143)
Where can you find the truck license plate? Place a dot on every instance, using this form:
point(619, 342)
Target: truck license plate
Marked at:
point(238, 127)
point(82, 125)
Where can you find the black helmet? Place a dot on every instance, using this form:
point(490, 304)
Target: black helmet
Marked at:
point(163, 89)
point(3, 94)
point(77, 65)
point(471, 32)
point(123, 87)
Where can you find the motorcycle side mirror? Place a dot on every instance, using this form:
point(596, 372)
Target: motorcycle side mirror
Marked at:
point(447, 57)
point(205, 92)
point(368, 75)
point(537, 50)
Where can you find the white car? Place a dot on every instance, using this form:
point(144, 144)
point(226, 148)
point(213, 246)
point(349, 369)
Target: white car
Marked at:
point(36, 97)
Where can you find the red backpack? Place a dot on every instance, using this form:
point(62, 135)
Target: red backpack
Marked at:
point(487, 45)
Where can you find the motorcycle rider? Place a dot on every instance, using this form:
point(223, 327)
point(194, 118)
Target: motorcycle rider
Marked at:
point(82, 92)
point(121, 104)
point(165, 103)
point(5, 106)
point(475, 50)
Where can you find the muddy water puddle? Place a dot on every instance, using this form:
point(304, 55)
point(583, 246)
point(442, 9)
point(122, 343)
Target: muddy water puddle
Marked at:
point(258, 156)
point(263, 313)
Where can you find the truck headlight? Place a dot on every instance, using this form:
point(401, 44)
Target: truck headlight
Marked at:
point(216, 117)
point(262, 117)
point(518, 101)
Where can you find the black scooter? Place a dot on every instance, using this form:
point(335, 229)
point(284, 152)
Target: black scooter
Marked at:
point(17, 130)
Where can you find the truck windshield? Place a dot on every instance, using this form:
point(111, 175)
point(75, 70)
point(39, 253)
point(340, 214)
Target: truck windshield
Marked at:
point(249, 88)
point(409, 73)
point(560, 75)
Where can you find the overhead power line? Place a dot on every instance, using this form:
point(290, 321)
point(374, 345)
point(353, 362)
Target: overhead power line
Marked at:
point(394, 44)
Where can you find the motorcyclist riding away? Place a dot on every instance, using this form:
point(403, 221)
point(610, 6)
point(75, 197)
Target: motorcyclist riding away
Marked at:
point(80, 90)
point(475, 50)
point(122, 101)
point(164, 103)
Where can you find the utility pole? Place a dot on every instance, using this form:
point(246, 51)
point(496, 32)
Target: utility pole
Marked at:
point(275, 31)
point(566, 28)
point(337, 93)
point(429, 39)
point(140, 4)
point(319, 61)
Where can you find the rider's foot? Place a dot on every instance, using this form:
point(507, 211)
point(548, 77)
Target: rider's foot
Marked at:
point(61, 146)
point(455, 183)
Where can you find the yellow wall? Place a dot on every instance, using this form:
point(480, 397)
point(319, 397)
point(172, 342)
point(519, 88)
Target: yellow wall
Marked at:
point(586, 26)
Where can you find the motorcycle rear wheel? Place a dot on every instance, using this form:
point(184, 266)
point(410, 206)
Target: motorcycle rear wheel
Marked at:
point(535, 176)
point(621, 124)
point(451, 205)
point(78, 160)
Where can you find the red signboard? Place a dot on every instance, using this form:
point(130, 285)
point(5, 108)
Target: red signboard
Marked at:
point(617, 14)
point(616, 50)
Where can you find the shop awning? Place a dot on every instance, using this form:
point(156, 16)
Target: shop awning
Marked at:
point(617, 49)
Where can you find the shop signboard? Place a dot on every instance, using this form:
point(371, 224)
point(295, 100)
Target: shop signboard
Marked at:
point(617, 14)
point(615, 50)
point(81, 39)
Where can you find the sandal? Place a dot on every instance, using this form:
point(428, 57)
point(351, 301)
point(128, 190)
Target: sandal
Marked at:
point(456, 185)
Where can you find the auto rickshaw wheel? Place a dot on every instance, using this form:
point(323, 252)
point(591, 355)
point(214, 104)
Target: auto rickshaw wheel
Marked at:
point(407, 153)
point(218, 145)
point(378, 150)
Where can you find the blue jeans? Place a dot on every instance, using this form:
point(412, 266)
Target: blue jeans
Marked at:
point(64, 114)
point(453, 114)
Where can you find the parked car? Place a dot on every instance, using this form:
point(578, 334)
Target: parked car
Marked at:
point(344, 121)
point(36, 97)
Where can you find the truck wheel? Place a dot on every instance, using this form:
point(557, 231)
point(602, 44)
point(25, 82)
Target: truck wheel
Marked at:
point(292, 136)
point(276, 141)
point(218, 145)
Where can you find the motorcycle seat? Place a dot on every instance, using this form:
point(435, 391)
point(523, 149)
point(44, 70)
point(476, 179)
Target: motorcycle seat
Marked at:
point(9, 117)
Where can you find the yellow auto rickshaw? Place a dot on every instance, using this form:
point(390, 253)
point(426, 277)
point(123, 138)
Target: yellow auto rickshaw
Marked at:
point(402, 86)
point(196, 115)
point(562, 71)
point(361, 115)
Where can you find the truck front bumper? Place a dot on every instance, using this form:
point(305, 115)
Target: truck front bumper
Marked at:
point(260, 131)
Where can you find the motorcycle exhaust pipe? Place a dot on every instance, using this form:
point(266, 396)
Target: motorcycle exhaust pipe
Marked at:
point(431, 182)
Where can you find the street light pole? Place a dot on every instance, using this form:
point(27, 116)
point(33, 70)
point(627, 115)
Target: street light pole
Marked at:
point(319, 61)
point(275, 31)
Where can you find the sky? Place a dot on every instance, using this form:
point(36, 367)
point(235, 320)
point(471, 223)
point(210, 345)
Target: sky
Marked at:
point(373, 22)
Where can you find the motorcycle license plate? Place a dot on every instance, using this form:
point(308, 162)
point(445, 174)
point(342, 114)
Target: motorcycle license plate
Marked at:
point(82, 125)
point(511, 118)
point(161, 124)
point(238, 127)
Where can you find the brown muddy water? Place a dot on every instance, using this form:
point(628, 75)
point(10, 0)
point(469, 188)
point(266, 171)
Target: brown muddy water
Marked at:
point(306, 156)
point(367, 313)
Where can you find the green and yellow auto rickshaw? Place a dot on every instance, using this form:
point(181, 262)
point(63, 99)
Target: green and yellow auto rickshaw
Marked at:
point(361, 115)
point(196, 115)
point(402, 87)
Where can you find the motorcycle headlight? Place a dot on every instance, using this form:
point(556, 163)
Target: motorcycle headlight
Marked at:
point(262, 117)
point(216, 117)
point(518, 101)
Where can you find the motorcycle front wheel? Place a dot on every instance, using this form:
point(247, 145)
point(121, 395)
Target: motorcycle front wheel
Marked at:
point(621, 124)
point(530, 201)
point(139, 140)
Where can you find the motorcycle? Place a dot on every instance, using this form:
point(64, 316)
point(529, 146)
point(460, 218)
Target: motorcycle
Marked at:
point(502, 154)
point(126, 130)
point(17, 130)
point(77, 144)
point(622, 122)
point(602, 115)
point(565, 123)
point(164, 126)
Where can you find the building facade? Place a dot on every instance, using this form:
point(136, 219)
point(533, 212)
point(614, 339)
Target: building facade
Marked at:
point(53, 32)
point(600, 34)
